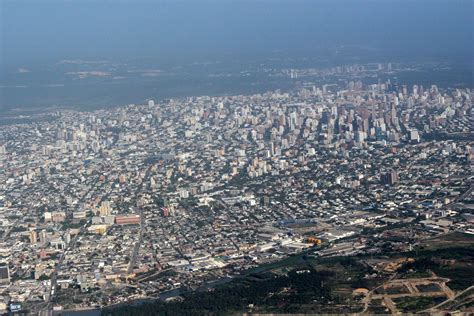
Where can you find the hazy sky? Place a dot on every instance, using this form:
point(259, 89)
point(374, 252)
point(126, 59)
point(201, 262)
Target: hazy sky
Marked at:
point(36, 30)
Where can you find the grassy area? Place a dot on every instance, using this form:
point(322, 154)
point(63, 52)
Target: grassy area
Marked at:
point(397, 290)
point(448, 241)
point(416, 304)
point(416, 275)
point(461, 276)
point(307, 284)
point(455, 263)
point(428, 287)
point(462, 302)
point(290, 262)
point(376, 307)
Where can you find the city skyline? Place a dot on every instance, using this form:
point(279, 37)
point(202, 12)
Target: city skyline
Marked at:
point(236, 157)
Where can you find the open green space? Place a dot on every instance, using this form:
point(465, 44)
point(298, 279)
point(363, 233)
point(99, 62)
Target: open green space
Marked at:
point(307, 284)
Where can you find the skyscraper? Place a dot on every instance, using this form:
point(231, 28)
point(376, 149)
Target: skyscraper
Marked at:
point(4, 274)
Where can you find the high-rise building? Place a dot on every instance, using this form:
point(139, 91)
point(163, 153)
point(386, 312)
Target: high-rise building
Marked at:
point(4, 274)
point(414, 135)
point(43, 236)
point(105, 208)
point(389, 178)
point(165, 212)
point(293, 120)
point(183, 193)
point(122, 178)
point(33, 237)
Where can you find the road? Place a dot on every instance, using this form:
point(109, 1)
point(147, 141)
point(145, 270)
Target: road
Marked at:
point(54, 275)
point(136, 248)
point(436, 308)
point(413, 291)
point(9, 230)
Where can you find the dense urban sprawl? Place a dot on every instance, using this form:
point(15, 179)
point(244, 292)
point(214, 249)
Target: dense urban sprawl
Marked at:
point(98, 208)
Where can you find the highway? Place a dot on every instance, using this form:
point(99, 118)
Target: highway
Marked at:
point(136, 248)
point(54, 276)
